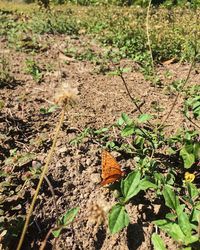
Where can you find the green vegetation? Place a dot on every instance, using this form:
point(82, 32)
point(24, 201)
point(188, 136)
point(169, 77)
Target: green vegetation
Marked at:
point(122, 28)
point(161, 161)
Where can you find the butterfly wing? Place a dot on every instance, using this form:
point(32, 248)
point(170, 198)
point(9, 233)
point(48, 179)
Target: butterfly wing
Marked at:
point(111, 179)
point(111, 170)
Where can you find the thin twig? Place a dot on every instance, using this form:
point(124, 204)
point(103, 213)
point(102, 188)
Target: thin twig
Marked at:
point(45, 169)
point(53, 196)
point(148, 37)
point(177, 96)
point(190, 120)
point(129, 94)
point(46, 238)
point(133, 99)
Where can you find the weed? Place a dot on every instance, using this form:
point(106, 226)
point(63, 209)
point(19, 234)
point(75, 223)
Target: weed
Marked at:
point(134, 136)
point(34, 70)
point(5, 75)
point(49, 110)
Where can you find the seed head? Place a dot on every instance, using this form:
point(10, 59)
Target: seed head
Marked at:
point(66, 95)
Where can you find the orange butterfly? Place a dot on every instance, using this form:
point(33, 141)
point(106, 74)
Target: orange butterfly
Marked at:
point(111, 170)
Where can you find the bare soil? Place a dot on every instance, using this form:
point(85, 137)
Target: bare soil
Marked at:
point(75, 171)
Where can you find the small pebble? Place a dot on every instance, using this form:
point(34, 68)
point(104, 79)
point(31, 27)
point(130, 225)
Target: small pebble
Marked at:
point(62, 150)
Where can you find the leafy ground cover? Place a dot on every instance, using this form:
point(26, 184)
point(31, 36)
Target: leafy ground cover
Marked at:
point(94, 66)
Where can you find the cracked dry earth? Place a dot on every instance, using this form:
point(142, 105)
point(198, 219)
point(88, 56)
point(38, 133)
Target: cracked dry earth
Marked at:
point(75, 171)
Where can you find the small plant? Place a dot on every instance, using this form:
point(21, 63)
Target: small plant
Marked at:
point(5, 74)
point(46, 111)
point(136, 137)
point(62, 223)
point(182, 223)
point(34, 70)
point(64, 220)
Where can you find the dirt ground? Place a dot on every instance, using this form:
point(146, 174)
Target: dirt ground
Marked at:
point(75, 171)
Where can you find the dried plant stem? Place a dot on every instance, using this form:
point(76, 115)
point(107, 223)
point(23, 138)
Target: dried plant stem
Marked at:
point(190, 120)
point(177, 96)
point(133, 99)
point(129, 94)
point(53, 196)
point(45, 169)
point(42, 247)
point(148, 37)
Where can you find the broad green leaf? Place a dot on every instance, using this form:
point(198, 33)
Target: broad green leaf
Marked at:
point(145, 184)
point(195, 215)
point(184, 223)
point(170, 198)
point(131, 185)
point(191, 239)
point(118, 218)
point(128, 130)
point(175, 232)
point(69, 216)
point(188, 156)
point(120, 121)
point(192, 190)
point(144, 117)
point(126, 119)
point(172, 229)
point(158, 242)
point(160, 222)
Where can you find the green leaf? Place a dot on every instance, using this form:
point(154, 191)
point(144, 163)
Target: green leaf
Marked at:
point(170, 151)
point(25, 158)
point(43, 111)
point(52, 108)
point(144, 117)
point(100, 131)
point(170, 198)
point(120, 121)
point(128, 130)
point(192, 190)
point(126, 70)
point(131, 185)
point(69, 216)
point(196, 149)
point(145, 184)
point(188, 156)
point(184, 223)
point(172, 229)
point(65, 219)
point(118, 218)
point(158, 242)
point(170, 216)
point(126, 119)
point(56, 233)
point(195, 215)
